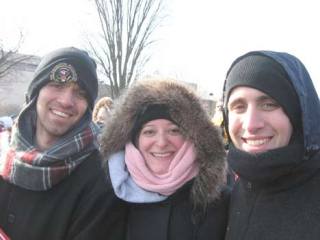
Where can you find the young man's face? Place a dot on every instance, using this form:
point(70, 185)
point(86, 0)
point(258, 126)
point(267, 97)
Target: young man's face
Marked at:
point(257, 123)
point(59, 107)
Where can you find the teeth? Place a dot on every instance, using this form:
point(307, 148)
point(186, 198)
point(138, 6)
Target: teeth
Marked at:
point(161, 154)
point(257, 142)
point(61, 114)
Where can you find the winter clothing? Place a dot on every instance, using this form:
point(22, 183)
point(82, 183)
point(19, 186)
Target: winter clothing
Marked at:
point(172, 219)
point(182, 169)
point(276, 195)
point(264, 73)
point(3, 236)
point(64, 65)
point(147, 114)
point(197, 210)
point(79, 207)
point(29, 168)
point(60, 192)
point(124, 186)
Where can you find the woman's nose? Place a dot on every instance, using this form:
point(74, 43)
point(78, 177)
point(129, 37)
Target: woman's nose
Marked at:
point(162, 140)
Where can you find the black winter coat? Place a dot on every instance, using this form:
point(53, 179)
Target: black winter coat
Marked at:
point(289, 210)
point(172, 219)
point(83, 206)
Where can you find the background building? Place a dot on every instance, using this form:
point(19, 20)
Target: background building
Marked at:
point(14, 83)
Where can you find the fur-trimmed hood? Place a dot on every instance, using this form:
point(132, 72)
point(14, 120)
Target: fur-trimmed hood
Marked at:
point(186, 110)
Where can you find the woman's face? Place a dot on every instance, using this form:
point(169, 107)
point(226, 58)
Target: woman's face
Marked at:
point(159, 141)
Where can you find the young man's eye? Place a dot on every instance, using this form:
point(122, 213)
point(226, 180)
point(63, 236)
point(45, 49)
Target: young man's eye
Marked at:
point(237, 108)
point(269, 106)
point(82, 94)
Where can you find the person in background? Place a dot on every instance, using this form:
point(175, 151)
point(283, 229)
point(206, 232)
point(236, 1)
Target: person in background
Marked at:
point(167, 161)
point(52, 185)
point(272, 114)
point(217, 120)
point(101, 110)
point(6, 123)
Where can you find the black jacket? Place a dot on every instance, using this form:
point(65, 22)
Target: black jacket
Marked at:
point(284, 204)
point(173, 219)
point(82, 206)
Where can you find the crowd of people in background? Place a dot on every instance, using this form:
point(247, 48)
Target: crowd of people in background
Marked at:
point(153, 165)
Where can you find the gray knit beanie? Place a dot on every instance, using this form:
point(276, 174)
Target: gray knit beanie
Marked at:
point(64, 65)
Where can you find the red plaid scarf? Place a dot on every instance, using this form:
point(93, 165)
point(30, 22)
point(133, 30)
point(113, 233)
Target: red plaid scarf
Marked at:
point(23, 165)
point(3, 236)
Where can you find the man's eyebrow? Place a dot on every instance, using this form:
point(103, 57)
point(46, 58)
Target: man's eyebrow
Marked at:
point(235, 101)
point(264, 98)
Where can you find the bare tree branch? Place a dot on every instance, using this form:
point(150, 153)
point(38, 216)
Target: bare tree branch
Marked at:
point(10, 58)
point(127, 28)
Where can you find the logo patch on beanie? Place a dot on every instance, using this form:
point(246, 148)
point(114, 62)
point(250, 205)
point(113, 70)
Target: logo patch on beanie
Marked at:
point(63, 73)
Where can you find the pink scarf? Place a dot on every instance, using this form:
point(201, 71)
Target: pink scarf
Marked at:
point(182, 168)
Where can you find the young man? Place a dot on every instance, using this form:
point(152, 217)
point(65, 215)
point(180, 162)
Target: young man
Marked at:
point(272, 114)
point(51, 182)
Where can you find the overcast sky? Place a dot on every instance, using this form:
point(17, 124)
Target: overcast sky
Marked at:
point(200, 40)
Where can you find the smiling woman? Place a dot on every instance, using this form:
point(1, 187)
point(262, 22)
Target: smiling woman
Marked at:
point(159, 142)
point(166, 161)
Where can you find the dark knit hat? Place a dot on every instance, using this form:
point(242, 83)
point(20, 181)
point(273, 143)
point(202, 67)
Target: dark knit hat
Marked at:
point(147, 114)
point(265, 74)
point(65, 65)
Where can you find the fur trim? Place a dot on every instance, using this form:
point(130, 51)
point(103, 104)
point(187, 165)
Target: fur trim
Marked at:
point(187, 111)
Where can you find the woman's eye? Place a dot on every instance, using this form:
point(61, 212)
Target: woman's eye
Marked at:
point(175, 131)
point(147, 132)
